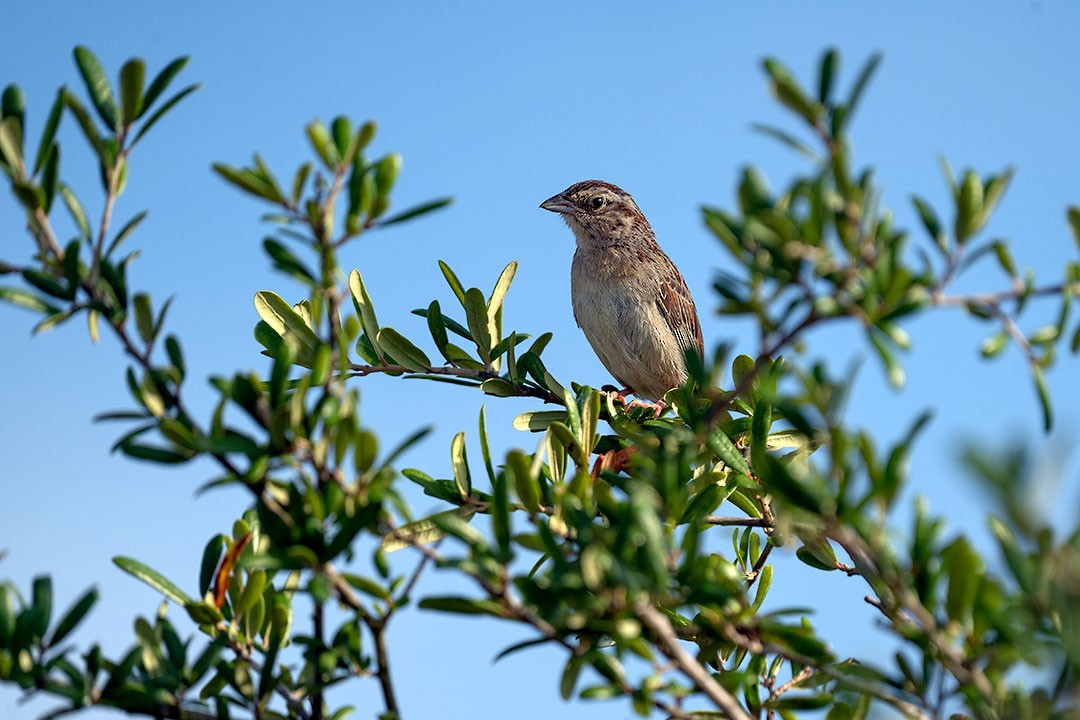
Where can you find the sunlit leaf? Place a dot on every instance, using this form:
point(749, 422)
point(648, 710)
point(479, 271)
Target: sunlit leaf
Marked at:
point(152, 578)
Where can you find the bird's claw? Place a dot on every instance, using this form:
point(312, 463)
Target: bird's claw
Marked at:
point(657, 408)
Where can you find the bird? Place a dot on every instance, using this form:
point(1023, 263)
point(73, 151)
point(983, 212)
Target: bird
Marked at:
point(629, 299)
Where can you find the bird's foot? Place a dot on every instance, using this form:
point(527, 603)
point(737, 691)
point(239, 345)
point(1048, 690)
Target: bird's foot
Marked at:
point(657, 408)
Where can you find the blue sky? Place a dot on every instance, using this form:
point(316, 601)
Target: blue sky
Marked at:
point(501, 106)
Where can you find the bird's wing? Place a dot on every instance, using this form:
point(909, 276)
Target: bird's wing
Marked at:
point(677, 307)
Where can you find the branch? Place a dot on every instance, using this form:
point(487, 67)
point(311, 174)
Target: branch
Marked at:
point(756, 647)
point(668, 644)
point(377, 626)
point(902, 598)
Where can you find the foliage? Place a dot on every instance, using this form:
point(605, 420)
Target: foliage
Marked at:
point(607, 539)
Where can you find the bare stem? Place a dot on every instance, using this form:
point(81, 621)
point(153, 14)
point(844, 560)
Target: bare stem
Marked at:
point(669, 644)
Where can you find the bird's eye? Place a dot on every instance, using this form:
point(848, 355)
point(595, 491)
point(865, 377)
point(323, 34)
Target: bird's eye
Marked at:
point(597, 202)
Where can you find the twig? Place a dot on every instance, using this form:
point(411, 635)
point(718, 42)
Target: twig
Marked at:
point(755, 572)
point(901, 598)
point(377, 626)
point(668, 644)
point(805, 674)
point(756, 647)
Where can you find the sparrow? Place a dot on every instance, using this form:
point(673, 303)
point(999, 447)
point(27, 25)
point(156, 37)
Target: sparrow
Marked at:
point(628, 297)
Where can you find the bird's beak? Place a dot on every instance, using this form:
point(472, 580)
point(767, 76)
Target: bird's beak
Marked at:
point(558, 204)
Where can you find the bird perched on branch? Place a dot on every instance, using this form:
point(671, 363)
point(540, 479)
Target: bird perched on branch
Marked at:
point(629, 298)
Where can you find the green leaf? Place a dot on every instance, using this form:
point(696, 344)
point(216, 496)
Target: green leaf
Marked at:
point(405, 445)
point(485, 447)
point(417, 211)
point(437, 327)
point(176, 357)
point(50, 177)
point(367, 585)
point(47, 284)
point(132, 77)
point(1044, 397)
point(993, 345)
point(448, 323)
point(423, 531)
point(894, 371)
point(298, 182)
point(969, 207)
point(570, 676)
point(498, 293)
point(829, 62)
point(41, 601)
point(248, 181)
point(285, 261)
point(452, 280)
point(52, 122)
point(11, 145)
point(323, 145)
point(7, 614)
point(964, 567)
point(13, 104)
point(499, 509)
point(22, 298)
point(1073, 216)
point(538, 420)
point(498, 387)
point(760, 424)
point(764, 582)
point(160, 112)
point(153, 454)
point(931, 223)
point(210, 558)
point(287, 323)
point(152, 578)
point(786, 138)
point(526, 484)
point(861, 82)
point(479, 324)
point(365, 135)
point(1004, 258)
point(365, 310)
point(590, 417)
point(535, 367)
point(73, 616)
point(89, 128)
point(386, 173)
point(402, 350)
point(76, 210)
point(817, 553)
point(721, 446)
point(540, 343)
point(144, 318)
point(252, 592)
point(461, 465)
point(160, 83)
point(97, 84)
point(463, 606)
point(788, 92)
point(341, 130)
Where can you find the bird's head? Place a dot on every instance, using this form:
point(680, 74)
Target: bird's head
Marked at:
point(599, 213)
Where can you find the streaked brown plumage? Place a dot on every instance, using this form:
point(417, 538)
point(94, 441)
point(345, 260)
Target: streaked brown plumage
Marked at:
point(629, 298)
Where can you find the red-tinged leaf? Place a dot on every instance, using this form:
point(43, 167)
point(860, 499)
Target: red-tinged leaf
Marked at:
point(224, 573)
